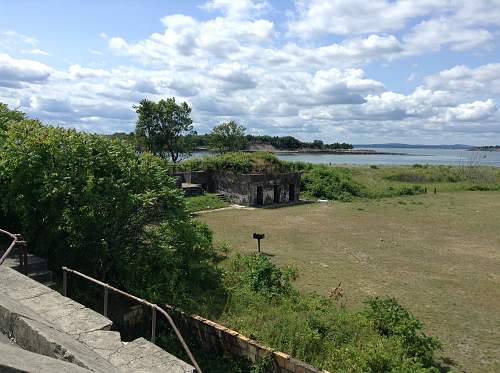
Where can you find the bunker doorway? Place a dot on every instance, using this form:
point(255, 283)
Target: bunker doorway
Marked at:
point(277, 192)
point(291, 192)
point(260, 196)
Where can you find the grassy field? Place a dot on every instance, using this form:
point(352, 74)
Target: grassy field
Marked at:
point(439, 255)
point(207, 201)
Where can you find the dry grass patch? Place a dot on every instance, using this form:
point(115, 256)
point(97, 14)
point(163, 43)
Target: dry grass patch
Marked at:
point(439, 255)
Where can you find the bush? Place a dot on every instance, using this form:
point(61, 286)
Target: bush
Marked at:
point(238, 162)
point(391, 319)
point(332, 183)
point(410, 190)
point(93, 204)
point(259, 274)
point(316, 329)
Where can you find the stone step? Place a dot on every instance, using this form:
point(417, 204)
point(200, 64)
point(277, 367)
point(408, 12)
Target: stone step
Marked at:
point(41, 276)
point(15, 359)
point(141, 355)
point(223, 197)
point(51, 284)
point(45, 322)
point(35, 264)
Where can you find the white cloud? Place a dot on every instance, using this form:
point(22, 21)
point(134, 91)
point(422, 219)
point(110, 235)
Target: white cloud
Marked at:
point(434, 34)
point(237, 65)
point(484, 79)
point(344, 17)
point(17, 71)
point(239, 8)
point(471, 112)
point(78, 71)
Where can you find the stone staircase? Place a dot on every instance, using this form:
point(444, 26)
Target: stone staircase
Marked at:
point(37, 267)
point(42, 331)
point(192, 189)
point(223, 197)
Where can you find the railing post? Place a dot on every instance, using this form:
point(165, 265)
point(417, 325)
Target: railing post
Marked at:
point(105, 301)
point(65, 282)
point(153, 325)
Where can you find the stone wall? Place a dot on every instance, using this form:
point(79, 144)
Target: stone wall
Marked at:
point(217, 338)
point(243, 188)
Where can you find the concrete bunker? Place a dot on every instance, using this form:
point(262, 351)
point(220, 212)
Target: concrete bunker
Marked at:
point(253, 189)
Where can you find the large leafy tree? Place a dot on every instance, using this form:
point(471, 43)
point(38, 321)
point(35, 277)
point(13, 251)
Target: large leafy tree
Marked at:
point(7, 115)
point(166, 127)
point(97, 205)
point(228, 137)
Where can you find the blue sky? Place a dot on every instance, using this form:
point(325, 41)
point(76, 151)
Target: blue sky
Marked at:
point(338, 70)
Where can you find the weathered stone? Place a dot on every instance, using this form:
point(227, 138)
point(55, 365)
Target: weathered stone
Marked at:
point(16, 360)
point(40, 338)
point(46, 323)
point(141, 356)
point(104, 343)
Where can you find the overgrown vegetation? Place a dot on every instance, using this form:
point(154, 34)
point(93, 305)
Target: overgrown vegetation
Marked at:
point(205, 202)
point(94, 204)
point(278, 142)
point(237, 162)
point(383, 337)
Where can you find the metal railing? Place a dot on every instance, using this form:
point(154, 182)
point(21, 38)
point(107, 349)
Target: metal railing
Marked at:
point(17, 241)
point(154, 308)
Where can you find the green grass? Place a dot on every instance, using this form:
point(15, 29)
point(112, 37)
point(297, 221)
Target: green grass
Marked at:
point(386, 181)
point(439, 255)
point(205, 202)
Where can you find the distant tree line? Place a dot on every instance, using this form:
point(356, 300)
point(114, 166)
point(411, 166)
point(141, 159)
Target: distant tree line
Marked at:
point(165, 129)
point(279, 142)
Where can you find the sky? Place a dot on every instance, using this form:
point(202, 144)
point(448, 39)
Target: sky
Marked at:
point(413, 71)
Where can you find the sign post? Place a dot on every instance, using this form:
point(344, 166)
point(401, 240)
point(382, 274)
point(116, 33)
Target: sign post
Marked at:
point(258, 237)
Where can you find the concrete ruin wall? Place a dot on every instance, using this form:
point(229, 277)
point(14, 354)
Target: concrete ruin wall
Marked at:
point(203, 178)
point(242, 188)
point(218, 339)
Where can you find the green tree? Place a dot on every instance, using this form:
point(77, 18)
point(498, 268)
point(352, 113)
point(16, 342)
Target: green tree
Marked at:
point(166, 127)
point(7, 115)
point(106, 210)
point(228, 137)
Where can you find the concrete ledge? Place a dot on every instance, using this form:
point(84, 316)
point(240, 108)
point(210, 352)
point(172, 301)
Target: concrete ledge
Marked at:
point(141, 356)
point(69, 316)
point(33, 333)
point(17, 360)
point(50, 325)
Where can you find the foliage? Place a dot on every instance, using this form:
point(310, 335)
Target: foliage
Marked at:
point(333, 183)
point(7, 115)
point(263, 305)
point(204, 202)
point(227, 137)
point(239, 162)
point(165, 126)
point(391, 319)
point(263, 365)
point(260, 275)
point(94, 204)
point(279, 142)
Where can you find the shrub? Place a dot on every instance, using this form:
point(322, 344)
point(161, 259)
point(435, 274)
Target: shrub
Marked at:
point(93, 204)
point(316, 329)
point(391, 319)
point(257, 273)
point(238, 162)
point(410, 190)
point(333, 183)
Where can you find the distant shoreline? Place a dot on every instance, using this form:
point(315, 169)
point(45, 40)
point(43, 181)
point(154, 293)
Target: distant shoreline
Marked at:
point(332, 151)
point(316, 151)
